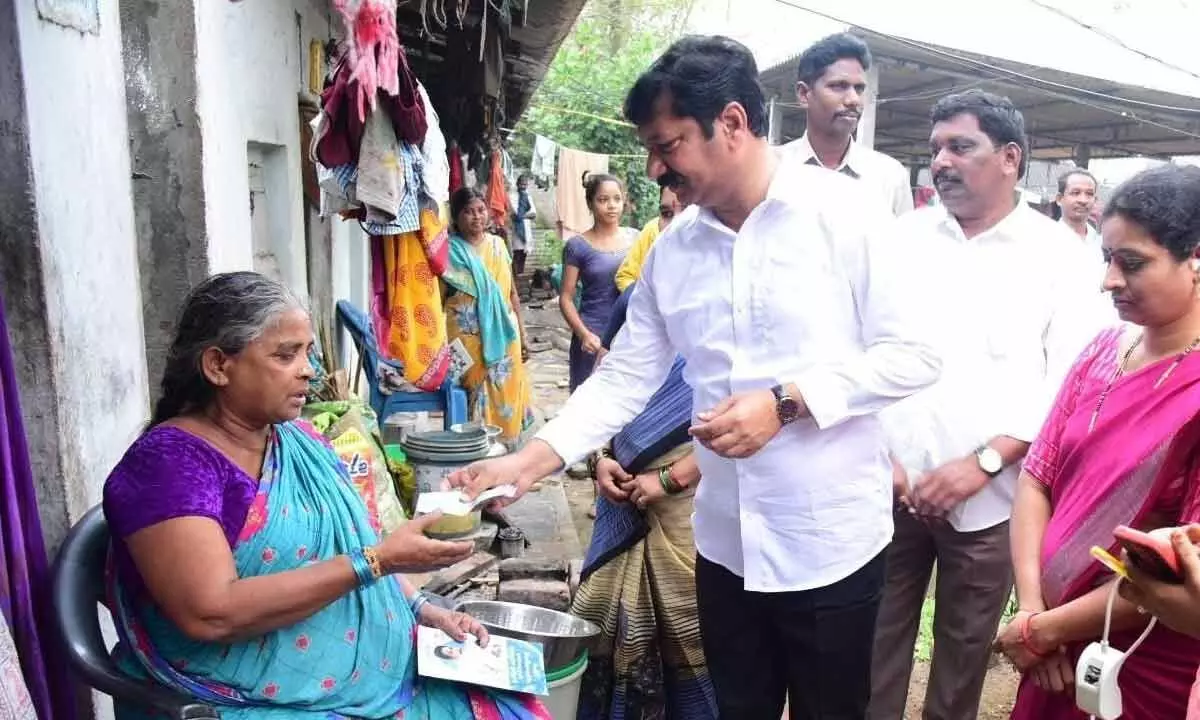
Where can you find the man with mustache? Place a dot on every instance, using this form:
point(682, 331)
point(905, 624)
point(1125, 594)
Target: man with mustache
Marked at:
point(795, 320)
point(1076, 198)
point(1019, 301)
point(832, 89)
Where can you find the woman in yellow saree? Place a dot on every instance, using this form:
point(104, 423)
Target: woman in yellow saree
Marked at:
point(482, 311)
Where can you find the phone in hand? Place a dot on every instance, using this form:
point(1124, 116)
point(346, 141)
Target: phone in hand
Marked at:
point(1151, 552)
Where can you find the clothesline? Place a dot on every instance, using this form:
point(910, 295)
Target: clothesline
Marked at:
point(581, 113)
point(568, 147)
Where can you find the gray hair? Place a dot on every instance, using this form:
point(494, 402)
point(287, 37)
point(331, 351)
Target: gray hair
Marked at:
point(227, 311)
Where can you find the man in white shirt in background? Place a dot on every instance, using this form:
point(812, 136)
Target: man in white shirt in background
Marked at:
point(1076, 198)
point(832, 89)
point(1018, 301)
point(797, 329)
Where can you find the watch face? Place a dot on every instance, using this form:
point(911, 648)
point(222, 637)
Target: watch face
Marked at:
point(990, 461)
point(789, 409)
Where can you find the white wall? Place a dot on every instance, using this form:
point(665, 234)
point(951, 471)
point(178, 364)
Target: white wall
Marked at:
point(252, 62)
point(75, 97)
point(75, 94)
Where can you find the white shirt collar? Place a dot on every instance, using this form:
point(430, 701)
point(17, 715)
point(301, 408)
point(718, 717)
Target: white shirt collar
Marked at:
point(1000, 231)
point(851, 161)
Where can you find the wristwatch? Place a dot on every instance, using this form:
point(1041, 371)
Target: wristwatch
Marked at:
point(786, 406)
point(989, 461)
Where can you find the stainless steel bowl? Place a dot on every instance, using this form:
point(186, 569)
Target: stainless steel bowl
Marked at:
point(561, 636)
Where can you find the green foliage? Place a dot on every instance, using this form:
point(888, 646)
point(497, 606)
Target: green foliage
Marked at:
point(611, 44)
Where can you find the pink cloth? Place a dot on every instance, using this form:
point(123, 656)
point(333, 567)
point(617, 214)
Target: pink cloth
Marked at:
point(1138, 464)
point(1193, 712)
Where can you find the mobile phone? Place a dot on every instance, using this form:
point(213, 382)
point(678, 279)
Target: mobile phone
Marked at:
point(1151, 552)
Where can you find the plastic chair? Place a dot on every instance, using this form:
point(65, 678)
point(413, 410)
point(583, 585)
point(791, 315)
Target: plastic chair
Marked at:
point(78, 591)
point(451, 400)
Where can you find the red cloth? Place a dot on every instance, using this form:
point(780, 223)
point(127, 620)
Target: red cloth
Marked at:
point(343, 103)
point(456, 168)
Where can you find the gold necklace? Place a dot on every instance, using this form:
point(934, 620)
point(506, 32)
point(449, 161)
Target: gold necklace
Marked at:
point(1120, 371)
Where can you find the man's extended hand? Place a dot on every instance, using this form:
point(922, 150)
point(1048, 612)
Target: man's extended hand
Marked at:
point(739, 425)
point(487, 474)
point(948, 485)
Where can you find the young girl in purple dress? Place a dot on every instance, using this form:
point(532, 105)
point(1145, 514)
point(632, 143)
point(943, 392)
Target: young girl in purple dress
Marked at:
point(591, 260)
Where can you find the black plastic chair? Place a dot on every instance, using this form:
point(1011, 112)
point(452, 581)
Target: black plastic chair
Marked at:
point(78, 590)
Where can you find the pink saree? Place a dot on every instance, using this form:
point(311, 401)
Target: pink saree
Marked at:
point(1137, 465)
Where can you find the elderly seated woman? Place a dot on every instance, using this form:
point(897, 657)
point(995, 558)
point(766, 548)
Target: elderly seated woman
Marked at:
point(247, 571)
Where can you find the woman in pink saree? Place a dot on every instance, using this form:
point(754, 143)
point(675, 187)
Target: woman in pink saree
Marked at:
point(1120, 447)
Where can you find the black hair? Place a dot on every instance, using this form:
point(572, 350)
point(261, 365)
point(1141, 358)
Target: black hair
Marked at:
point(828, 50)
point(701, 75)
point(1065, 177)
point(1165, 202)
point(998, 118)
point(227, 311)
point(461, 198)
point(592, 182)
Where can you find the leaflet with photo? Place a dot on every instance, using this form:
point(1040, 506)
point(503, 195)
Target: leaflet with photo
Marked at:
point(506, 663)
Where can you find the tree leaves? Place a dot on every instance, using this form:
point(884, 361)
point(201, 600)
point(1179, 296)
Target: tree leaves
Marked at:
point(613, 42)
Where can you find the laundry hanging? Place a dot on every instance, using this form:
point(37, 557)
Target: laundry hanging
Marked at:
point(573, 165)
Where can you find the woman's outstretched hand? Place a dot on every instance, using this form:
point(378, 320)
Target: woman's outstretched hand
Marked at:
point(409, 550)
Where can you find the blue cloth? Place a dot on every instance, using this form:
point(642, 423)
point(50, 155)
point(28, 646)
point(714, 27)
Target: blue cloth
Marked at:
point(354, 658)
point(524, 205)
point(660, 427)
point(408, 215)
point(468, 274)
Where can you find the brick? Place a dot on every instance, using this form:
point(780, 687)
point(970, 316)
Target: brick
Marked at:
point(533, 569)
point(550, 594)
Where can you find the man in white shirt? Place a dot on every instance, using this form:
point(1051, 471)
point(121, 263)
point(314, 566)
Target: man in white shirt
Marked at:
point(1018, 302)
point(796, 329)
point(832, 88)
point(1076, 199)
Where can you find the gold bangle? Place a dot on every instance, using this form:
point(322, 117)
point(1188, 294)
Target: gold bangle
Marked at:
point(373, 562)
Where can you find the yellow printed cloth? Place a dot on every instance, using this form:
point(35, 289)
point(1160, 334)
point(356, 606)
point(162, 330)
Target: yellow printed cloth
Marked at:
point(416, 328)
point(500, 394)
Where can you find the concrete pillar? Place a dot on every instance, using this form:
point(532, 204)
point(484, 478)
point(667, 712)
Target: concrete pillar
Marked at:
point(1083, 155)
point(866, 125)
point(159, 50)
point(774, 122)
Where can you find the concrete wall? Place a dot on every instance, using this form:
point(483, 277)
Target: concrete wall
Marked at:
point(91, 315)
point(68, 256)
point(252, 63)
point(159, 47)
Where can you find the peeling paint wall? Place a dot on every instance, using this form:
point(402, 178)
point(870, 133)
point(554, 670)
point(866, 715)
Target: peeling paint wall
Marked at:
point(159, 49)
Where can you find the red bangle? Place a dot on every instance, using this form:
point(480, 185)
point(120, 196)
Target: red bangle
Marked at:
point(1026, 640)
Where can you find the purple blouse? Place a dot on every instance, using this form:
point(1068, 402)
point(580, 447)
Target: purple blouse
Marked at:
point(169, 473)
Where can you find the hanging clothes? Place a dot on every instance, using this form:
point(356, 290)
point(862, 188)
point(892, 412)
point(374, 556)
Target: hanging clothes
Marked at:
point(497, 192)
point(416, 324)
point(436, 177)
point(25, 604)
point(455, 160)
point(542, 163)
point(573, 211)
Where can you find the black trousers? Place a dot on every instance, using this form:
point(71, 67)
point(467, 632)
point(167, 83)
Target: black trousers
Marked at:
point(812, 647)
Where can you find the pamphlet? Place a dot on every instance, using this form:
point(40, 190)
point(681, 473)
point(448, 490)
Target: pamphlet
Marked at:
point(453, 502)
point(506, 663)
